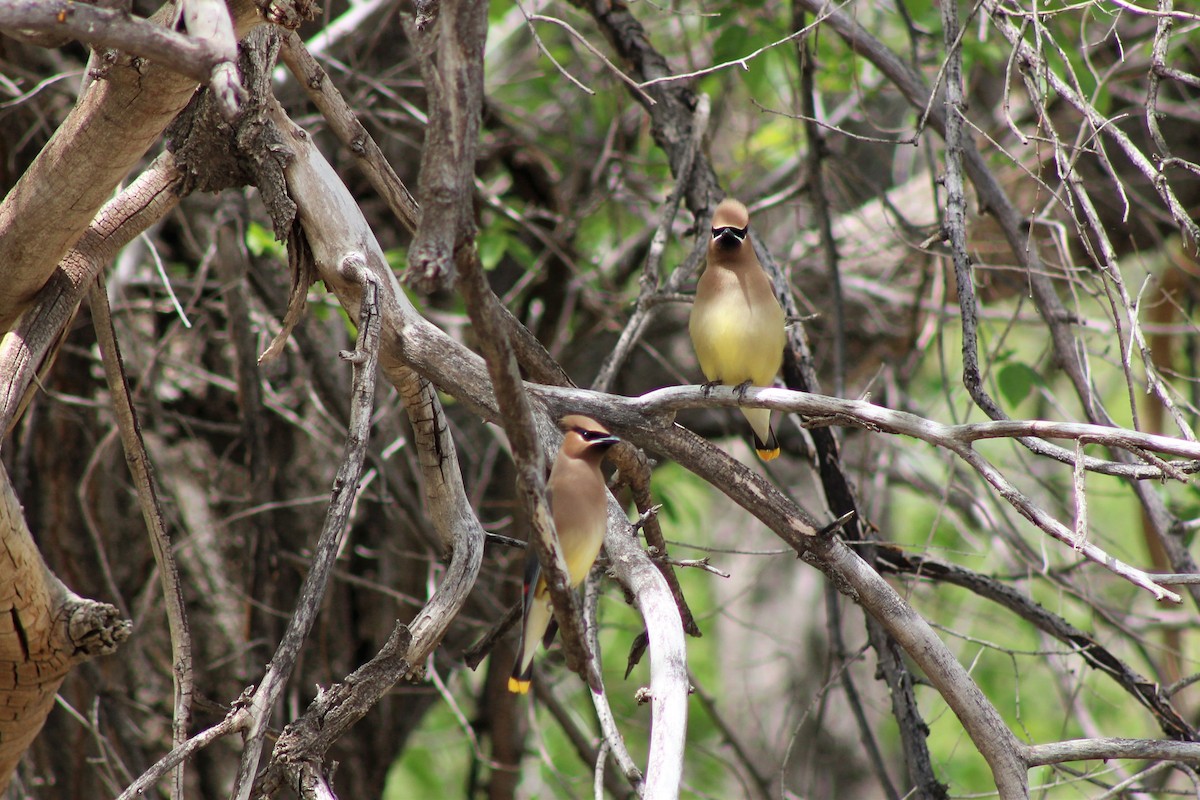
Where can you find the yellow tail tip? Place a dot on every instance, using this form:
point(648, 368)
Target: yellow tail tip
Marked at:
point(518, 686)
point(768, 455)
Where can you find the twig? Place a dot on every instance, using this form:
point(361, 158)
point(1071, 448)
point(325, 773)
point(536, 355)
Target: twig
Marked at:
point(1090, 650)
point(994, 199)
point(1118, 789)
point(364, 359)
point(182, 673)
point(592, 49)
point(1030, 59)
point(760, 782)
point(910, 723)
point(232, 723)
point(744, 61)
point(644, 311)
point(546, 52)
point(350, 132)
point(614, 742)
point(588, 753)
point(696, 563)
point(475, 654)
point(819, 197)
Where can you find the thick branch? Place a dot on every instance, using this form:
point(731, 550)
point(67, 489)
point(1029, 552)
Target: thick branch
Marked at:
point(103, 137)
point(450, 53)
point(1085, 749)
point(189, 56)
point(45, 630)
point(29, 349)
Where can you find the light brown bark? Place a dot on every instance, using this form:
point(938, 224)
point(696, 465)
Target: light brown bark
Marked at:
point(45, 629)
point(118, 119)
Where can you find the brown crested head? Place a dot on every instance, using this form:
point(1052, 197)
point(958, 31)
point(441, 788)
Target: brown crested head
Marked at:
point(585, 438)
point(730, 226)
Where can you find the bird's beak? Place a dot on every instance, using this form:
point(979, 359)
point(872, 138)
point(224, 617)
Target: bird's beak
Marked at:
point(604, 443)
point(729, 236)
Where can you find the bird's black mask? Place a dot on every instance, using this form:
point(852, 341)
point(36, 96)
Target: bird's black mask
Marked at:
point(729, 237)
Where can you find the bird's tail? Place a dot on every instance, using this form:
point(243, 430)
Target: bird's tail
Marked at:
point(519, 684)
point(764, 435)
point(537, 619)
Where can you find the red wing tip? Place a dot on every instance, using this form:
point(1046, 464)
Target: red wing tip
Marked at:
point(518, 686)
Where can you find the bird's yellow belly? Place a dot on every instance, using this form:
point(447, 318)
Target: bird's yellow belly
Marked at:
point(733, 345)
point(580, 559)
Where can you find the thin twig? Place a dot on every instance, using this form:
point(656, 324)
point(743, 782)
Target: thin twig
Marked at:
point(592, 49)
point(614, 742)
point(235, 721)
point(744, 61)
point(649, 298)
point(182, 674)
point(546, 52)
point(364, 359)
point(761, 783)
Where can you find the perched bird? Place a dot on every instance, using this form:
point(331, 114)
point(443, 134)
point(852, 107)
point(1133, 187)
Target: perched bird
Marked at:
point(737, 325)
point(579, 504)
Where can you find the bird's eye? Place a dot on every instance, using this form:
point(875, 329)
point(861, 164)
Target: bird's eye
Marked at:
point(591, 436)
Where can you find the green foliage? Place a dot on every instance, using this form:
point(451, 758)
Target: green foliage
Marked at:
point(261, 241)
point(1016, 380)
point(435, 762)
point(499, 239)
point(685, 499)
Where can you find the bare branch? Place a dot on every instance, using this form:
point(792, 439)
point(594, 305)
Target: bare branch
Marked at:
point(364, 359)
point(195, 56)
point(1087, 749)
point(39, 334)
point(344, 123)
point(182, 672)
point(956, 438)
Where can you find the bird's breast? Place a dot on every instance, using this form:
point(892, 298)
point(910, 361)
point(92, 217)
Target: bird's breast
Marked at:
point(738, 337)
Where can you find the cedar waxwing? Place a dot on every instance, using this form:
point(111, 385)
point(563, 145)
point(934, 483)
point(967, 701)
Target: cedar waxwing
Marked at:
point(579, 504)
point(737, 325)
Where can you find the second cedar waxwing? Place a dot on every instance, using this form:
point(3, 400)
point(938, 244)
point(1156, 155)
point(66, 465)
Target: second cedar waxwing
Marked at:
point(737, 324)
point(578, 501)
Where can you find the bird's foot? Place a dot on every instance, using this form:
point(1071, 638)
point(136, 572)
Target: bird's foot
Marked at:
point(741, 389)
point(708, 386)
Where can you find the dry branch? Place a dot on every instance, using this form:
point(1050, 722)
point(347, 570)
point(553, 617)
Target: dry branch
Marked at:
point(47, 630)
point(138, 461)
point(57, 197)
point(193, 57)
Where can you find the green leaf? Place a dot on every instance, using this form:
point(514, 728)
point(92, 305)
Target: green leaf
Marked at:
point(492, 244)
point(733, 43)
point(261, 241)
point(1016, 381)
